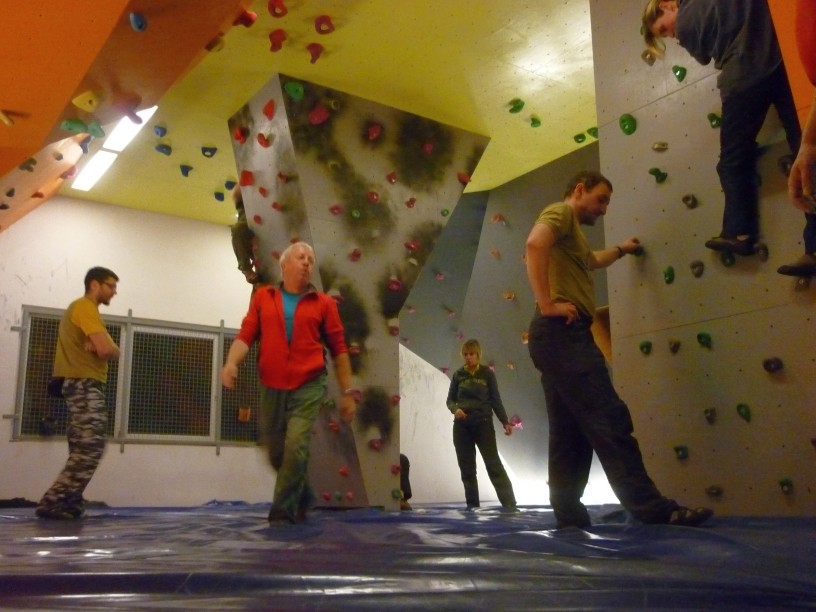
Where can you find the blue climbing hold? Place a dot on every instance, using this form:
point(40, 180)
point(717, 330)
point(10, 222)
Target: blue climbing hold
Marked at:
point(219, 195)
point(164, 149)
point(138, 22)
point(209, 151)
point(185, 169)
point(229, 185)
point(160, 130)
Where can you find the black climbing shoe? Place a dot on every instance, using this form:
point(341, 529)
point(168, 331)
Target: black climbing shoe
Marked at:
point(804, 266)
point(689, 517)
point(744, 247)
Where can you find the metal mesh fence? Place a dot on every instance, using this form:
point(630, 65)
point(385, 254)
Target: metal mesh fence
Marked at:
point(239, 406)
point(43, 415)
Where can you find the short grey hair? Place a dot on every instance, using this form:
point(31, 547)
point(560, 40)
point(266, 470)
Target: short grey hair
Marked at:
point(295, 245)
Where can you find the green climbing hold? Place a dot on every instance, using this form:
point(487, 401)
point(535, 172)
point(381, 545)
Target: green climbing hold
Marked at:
point(745, 412)
point(593, 131)
point(445, 212)
point(516, 104)
point(679, 73)
point(659, 175)
point(355, 214)
point(645, 347)
point(714, 120)
point(579, 138)
point(786, 484)
point(396, 494)
point(535, 121)
point(668, 275)
point(704, 339)
point(681, 451)
point(628, 124)
point(75, 126)
point(294, 90)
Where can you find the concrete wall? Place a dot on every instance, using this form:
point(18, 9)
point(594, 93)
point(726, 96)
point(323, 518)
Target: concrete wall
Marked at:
point(751, 312)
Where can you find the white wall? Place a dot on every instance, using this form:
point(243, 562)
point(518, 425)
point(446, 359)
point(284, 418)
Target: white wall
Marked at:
point(170, 269)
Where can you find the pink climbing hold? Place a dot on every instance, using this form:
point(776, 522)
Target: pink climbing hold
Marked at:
point(375, 444)
point(324, 25)
point(269, 109)
point(395, 399)
point(315, 50)
point(394, 284)
point(276, 40)
point(335, 209)
point(246, 19)
point(319, 114)
point(277, 8)
point(247, 178)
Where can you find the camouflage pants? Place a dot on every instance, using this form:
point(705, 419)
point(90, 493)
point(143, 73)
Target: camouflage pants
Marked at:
point(86, 442)
point(286, 422)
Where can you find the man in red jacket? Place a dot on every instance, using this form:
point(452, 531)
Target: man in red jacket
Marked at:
point(292, 322)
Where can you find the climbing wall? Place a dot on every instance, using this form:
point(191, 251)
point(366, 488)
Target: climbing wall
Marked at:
point(715, 361)
point(372, 189)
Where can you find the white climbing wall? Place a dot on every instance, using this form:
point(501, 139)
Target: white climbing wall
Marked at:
point(750, 312)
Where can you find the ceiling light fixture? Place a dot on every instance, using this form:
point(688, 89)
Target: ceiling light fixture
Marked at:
point(93, 170)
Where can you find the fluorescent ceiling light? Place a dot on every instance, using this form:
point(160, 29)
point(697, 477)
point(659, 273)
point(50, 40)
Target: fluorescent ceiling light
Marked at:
point(126, 130)
point(93, 170)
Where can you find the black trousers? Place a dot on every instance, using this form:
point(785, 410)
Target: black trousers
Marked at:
point(468, 434)
point(585, 414)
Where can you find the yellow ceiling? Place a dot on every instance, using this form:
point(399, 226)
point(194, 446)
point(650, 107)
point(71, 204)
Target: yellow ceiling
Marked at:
point(458, 62)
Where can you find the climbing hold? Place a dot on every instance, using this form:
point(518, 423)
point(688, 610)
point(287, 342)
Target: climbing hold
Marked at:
point(246, 19)
point(4, 206)
point(269, 109)
point(681, 451)
point(263, 192)
point(704, 339)
point(744, 410)
point(219, 195)
point(263, 140)
point(697, 268)
point(394, 284)
point(668, 275)
point(28, 165)
point(38, 194)
point(498, 218)
point(334, 426)
point(343, 471)
point(335, 209)
point(761, 251)
point(185, 169)
point(373, 131)
point(579, 138)
point(229, 184)
point(215, 44)
point(56, 155)
point(276, 40)
point(68, 173)
point(164, 149)
point(315, 51)
point(160, 131)
point(427, 148)
point(391, 177)
point(674, 346)
point(10, 193)
point(690, 200)
point(241, 133)
point(209, 151)
point(628, 124)
point(276, 206)
point(658, 174)
point(326, 495)
point(247, 178)
point(324, 25)
point(727, 258)
point(495, 253)
point(645, 347)
point(516, 104)
point(75, 126)
point(639, 250)
point(138, 22)
point(277, 8)
point(355, 254)
point(373, 197)
point(786, 485)
point(410, 202)
point(772, 365)
point(88, 101)
point(85, 144)
point(319, 114)
point(679, 73)
point(710, 415)
point(535, 121)
point(95, 130)
point(516, 421)
point(714, 120)
point(463, 177)
point(444, 212)
point(294, 90)
point(648, 57)
point(660, 147)
point(411, 245)
point(509, 295)
point(593, 131)
point(356, 214)
point(714, 491)
point(375, 444)
point(396, 493)
point(257, 219)
point(440, 276)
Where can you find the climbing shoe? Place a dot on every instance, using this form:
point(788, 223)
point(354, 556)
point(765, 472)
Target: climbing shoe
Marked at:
point(804, 266)
point(740, 246)
point(689, 517)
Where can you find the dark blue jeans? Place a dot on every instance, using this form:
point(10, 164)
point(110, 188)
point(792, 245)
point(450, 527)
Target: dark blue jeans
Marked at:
point(743, 114)
point(586, 414)
point(467, 436)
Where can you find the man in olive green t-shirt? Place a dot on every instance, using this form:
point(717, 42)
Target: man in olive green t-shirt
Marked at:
point(84, 348)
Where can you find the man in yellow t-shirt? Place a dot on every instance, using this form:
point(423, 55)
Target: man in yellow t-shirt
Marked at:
point(583, 409)
point(84, 348)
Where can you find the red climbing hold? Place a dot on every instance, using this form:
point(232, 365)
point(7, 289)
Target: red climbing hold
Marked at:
point(246, 19)
point(391, 177)
point(375, 444)
point(315, 50)
point(258, 219)
point(355, 255)
point(263, 191)
point(335, 209)
point(277, 206)
point(324, 25)
point(269, 109)
point(319, 114)
point(247, 178)
point(374, 131)
point(410, 202)
point(463, 177)
point(277, 8)
point(240, 134)
point(343, 471)
point(428, 148)
point(276, 40)
point(263, 141)
point(373, 197)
